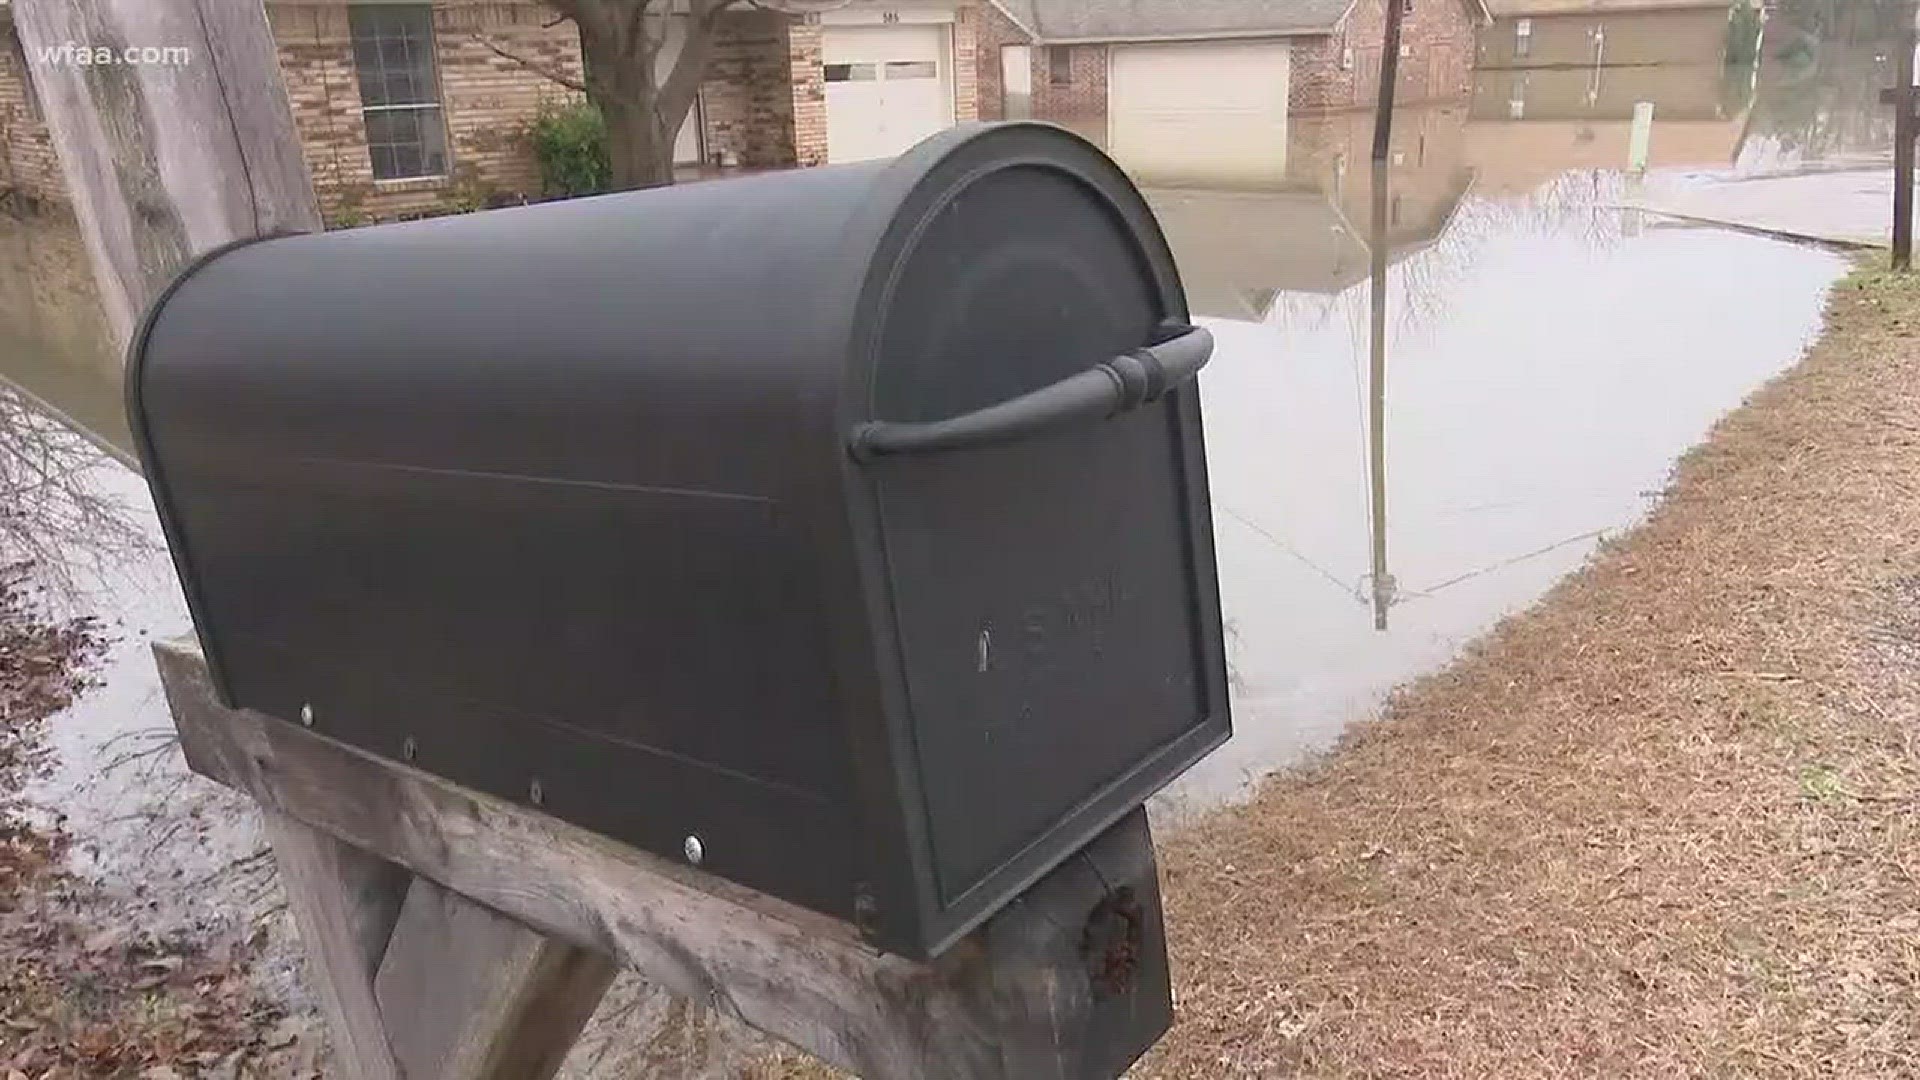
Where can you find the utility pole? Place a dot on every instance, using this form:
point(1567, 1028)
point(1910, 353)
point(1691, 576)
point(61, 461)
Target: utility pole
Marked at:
point(1380, 244)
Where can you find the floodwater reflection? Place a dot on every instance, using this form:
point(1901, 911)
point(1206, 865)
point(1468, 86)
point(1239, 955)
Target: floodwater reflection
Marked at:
point(1549, 356)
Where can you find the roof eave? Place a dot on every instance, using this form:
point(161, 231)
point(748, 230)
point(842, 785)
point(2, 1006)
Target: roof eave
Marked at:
point(1001, 7)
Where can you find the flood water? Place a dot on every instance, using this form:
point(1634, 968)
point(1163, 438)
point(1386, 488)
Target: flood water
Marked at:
point(1549, 356)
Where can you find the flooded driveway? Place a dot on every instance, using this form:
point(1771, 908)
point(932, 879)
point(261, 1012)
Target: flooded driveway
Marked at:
point(1545, 369)
point(1550, 355)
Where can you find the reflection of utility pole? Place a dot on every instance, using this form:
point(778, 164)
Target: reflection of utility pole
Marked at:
point(1377, 411)
point(1901, 96)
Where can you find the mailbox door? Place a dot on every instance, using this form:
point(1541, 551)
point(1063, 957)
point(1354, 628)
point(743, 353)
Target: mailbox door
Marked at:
point(1056, 619)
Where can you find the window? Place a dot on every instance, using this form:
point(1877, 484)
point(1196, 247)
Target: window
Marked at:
point(399, 90)
point(852, 73)
point(1523, 37)
point(1060, 65)
point(912, 69)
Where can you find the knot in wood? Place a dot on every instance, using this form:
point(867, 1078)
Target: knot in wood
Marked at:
point(1111, 941)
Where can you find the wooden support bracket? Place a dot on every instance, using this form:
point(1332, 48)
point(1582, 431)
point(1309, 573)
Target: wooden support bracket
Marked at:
point(513, 922)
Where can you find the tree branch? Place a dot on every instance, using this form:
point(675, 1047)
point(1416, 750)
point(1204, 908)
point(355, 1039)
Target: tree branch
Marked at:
point(553, 74)
point(591, 16)
point(690, 67)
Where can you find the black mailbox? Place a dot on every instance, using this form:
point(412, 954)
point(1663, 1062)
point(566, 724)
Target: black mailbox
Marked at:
point(844, 530)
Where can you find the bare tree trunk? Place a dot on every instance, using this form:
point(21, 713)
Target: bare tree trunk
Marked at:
point(621, 42)
point(620, 85)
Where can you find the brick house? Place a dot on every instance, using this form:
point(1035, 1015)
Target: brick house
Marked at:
point(1148, 79)
point(27, 163)
point(411, 107)
point(1603, 33)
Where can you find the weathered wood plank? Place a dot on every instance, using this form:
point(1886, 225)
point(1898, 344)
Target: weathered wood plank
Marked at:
point(1033, 995)
point(166, 159)
point(469, 994)
point(345, 902)
point(1124, 1002)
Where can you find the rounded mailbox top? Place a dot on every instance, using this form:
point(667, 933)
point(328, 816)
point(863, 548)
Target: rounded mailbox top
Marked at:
point(1007, 257)
point(988, 260)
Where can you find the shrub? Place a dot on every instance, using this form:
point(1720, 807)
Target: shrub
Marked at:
point(570, 142)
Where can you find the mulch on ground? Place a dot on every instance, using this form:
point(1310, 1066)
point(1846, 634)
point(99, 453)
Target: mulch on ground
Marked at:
point(1667, 823)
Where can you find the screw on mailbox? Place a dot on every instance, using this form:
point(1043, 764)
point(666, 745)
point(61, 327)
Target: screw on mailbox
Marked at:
point(306, 715)
point(696, 851)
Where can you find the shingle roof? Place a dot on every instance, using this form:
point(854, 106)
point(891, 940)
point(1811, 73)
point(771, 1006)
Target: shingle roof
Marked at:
point(1123, 20)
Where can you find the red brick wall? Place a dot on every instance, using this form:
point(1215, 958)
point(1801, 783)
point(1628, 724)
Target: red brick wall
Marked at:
point(1076, 102)
point(1437, 62)
point(1079, 102)
point(748, 101)
point(992, 31)
point(27, 163)
point(966, 63)
point(807, 79)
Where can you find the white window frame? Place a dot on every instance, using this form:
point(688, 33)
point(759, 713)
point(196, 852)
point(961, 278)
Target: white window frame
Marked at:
point(436, 106)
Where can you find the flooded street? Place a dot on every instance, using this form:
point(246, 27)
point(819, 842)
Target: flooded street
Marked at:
point(1550, 355)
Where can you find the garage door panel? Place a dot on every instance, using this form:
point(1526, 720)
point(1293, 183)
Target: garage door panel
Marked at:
point(1201, 113)
point(888, 87)
point(878, 44)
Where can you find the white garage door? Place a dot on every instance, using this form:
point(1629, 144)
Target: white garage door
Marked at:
point(888, 87)
point(1202, 112)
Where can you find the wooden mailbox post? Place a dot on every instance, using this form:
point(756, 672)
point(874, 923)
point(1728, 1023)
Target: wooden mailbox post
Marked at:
point(451, 934)
point(456, 935)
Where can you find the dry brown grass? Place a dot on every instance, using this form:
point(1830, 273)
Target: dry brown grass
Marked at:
point(1665, 824)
